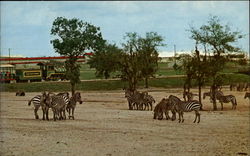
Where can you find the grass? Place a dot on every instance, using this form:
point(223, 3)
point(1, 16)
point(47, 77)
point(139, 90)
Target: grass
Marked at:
point(88, 85)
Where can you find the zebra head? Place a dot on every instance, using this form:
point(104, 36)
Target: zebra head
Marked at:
point(77, 97)
point(48, 98)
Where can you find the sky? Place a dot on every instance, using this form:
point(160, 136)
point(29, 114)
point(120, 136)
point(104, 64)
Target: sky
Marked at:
point(26, 25)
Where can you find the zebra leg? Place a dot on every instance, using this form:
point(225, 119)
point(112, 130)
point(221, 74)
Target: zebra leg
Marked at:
point(196, 115)
point(199, 116)
point(47, 114)
point(151, 106)
point(182, 116)
point(167, 116)
point(221, 105)
point(64, 114)
point(70, 113)
point(179, 113)
point(35, 112)
point(73, 110)
point(43, 113)
point(173, 115)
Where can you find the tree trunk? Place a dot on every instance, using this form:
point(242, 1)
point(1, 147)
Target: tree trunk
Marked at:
point(73, 88)
point(200, 96)
point(213, 97)
point(146, 82)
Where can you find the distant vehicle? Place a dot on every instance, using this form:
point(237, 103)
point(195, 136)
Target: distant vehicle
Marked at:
point(7, 73)
point(46, 72)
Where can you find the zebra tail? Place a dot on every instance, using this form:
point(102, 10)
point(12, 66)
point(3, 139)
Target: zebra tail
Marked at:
point(29, 102)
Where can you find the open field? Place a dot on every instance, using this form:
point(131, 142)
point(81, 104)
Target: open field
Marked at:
point(104, 126)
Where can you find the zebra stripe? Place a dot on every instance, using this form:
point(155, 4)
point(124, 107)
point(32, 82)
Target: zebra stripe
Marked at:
point(226, 99)
point(182, 106)
point(37, 102)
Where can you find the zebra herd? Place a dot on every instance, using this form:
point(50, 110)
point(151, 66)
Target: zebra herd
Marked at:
point(59, 104)
point(136, 100)
point(139, 100)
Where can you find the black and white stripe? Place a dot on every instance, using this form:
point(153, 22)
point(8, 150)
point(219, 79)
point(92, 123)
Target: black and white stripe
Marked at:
point(37, 101)
point(70, 107)
point(58, 105)
point(226, 99)
point(182, 106)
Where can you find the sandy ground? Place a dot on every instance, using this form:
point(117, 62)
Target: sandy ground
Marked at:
point(104, 126)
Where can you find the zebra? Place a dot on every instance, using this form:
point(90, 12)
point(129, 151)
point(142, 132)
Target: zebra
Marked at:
point(135, 99)
point(159, 109)
point(148, 100)
point(58, 104)
point(139, 100)
point(182, 106)
point(163, 107)
point(130, 98)
point(247, 95)
point(72, 104)
point(226, 99)
point(39, 100)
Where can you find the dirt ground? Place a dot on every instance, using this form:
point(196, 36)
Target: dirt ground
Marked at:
point(104, 126)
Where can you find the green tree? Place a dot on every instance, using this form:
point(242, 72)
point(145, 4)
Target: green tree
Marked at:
point(106, 61)
point(148, 53)
point(72, 38)
point(140, 58)
point(218, 39)
point(130, 62)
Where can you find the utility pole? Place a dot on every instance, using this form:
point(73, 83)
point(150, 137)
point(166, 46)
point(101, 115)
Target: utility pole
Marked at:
point(9, 55)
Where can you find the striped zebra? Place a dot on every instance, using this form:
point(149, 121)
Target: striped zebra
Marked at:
point(148, 101)
point(182, 106)
point(164, 106)
point(139, 100)
point(37, 101)
point(58, 104)
point(130, 98)
point(226, 99)
point(135, 99)
point(247, 95)
point(72, 104)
